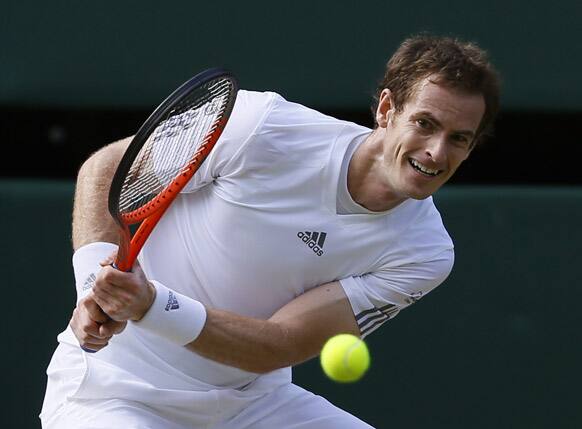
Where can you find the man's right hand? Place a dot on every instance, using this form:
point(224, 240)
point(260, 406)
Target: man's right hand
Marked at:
point(92, 327)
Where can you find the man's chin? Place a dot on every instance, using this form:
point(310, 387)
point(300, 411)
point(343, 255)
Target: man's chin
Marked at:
point(420, 188)
point(422, 194)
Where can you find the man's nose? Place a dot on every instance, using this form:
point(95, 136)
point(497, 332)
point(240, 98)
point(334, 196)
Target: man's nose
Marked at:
point(437, 148)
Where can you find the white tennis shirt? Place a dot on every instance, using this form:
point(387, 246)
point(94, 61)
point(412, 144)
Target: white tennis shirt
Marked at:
point(256, 227)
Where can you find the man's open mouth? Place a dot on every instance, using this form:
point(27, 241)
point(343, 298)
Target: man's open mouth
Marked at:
point(422, 169)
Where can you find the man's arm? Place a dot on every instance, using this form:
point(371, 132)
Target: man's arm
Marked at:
point(93, 223)
point(294, 334)
point(91, 219)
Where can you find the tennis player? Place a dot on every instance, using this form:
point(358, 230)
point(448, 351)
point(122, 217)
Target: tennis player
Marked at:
point(297, 227)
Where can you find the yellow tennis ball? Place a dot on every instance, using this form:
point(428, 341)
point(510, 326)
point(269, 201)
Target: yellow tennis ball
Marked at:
point(345, 358)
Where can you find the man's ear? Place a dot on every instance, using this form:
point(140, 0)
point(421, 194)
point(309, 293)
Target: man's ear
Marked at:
point(385, 108)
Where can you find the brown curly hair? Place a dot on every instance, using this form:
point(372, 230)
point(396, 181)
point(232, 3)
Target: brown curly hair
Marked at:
point(447, 61)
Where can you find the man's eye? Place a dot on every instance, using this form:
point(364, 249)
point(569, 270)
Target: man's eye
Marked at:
point(460, 139)
point(423, 123)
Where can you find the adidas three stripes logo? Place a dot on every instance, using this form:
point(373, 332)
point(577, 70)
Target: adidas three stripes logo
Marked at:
point(313, 240)
point(370, 320)
point(173, 303)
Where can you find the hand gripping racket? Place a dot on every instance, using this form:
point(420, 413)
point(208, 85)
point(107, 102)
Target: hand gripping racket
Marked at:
point(164, 154)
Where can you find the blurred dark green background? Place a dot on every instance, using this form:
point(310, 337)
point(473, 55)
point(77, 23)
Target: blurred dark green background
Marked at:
point(496, 346)
point(75, 75)
point(324, 53)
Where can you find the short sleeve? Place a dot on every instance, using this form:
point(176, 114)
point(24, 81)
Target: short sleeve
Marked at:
point(379, 296)
point(249, 113)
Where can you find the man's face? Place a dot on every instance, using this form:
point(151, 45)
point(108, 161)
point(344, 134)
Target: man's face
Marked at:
point(425, 143)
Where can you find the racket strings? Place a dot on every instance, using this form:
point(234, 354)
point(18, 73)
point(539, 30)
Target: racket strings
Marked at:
point(172, 146)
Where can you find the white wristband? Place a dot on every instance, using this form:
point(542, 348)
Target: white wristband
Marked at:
point(173, 316)
point(86, 265)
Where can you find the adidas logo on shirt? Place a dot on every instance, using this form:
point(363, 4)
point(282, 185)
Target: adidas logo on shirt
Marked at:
point(313, 240)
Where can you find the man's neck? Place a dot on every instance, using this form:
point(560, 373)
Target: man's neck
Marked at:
point(367, 182)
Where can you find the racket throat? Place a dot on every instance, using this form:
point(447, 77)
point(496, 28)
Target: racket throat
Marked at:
point(132, 246)
point(122, 261)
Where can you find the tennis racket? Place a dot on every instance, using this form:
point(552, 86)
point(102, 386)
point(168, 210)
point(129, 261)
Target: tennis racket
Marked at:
point(164, 155)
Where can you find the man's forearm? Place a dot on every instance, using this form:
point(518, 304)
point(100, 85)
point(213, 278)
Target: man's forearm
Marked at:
point(250, 344)
point(292, 335)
